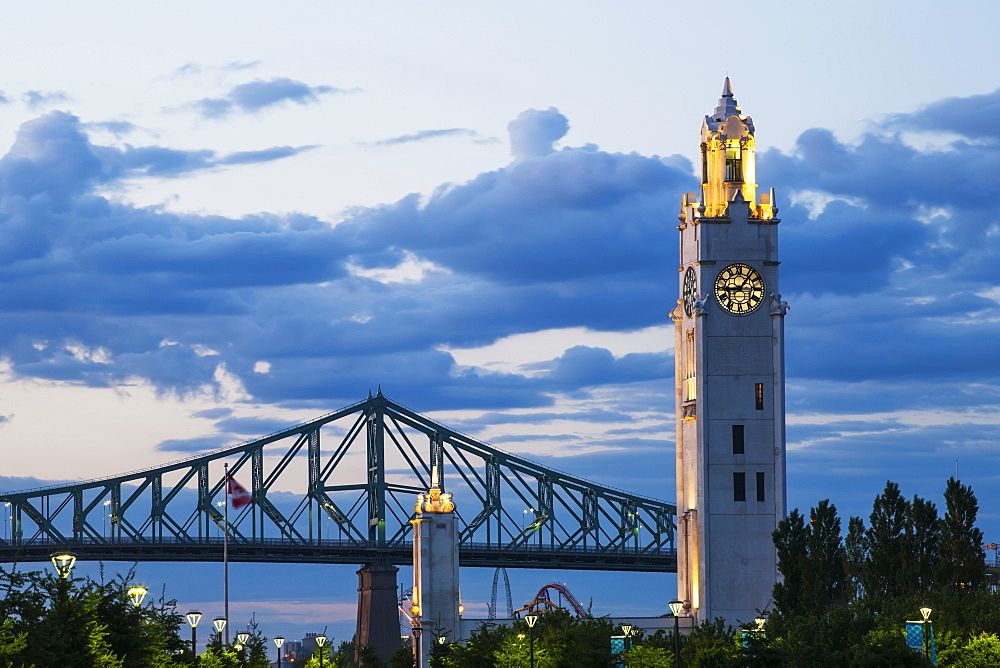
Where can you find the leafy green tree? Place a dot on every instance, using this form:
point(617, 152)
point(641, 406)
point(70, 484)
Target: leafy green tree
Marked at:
point(480, 650)
point(515, 652)
point(403, 657)
point(963, 562)
point(12, 644)
point(710, 644)
point(643, 656)
point(981, 650)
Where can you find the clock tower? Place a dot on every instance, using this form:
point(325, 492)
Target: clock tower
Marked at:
point(730, 379)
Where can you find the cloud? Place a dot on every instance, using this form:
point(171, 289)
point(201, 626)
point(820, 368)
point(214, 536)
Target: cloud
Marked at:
point(424, 135)
point(963, 116)
point(533, 132)
point(264, 155)
point(36, 99)
point(117, 128)
point(198, 444)
point(259, 94)
point(876, 274)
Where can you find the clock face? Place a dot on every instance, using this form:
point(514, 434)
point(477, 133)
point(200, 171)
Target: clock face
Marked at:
point(690, 291)
point(739, 289)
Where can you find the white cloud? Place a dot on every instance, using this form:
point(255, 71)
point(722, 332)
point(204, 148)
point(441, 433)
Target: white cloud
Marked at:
point(410, 270)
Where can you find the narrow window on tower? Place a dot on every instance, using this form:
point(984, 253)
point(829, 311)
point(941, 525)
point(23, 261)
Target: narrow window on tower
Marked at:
point(734, 160)
point(737, 439)
point(760, 486)
point(690, 378)
point(758, 395)
point(739, 487)
point(704, 162)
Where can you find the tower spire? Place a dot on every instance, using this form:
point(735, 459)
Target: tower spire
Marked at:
point(727, 104)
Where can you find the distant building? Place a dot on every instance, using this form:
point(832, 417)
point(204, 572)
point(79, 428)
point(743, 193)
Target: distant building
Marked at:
point(291, 653)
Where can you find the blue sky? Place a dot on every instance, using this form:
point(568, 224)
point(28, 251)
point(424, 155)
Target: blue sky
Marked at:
point(214, 220)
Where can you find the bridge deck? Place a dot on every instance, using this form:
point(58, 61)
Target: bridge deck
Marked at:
point(342, 552)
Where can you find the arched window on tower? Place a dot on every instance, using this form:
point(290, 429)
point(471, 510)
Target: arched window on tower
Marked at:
point(734, 160)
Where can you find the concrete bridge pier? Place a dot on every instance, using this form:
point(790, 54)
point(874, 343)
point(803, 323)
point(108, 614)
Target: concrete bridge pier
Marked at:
point(378, 610)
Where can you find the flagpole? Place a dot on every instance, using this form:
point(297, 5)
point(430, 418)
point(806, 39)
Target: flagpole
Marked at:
point(225, 553)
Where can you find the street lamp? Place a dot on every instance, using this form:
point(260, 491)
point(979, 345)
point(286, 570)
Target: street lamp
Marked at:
point(627, 631)
point(136, 594)
point(926, 612)
point(415, 632)
point(320, 642)
point(193, 618)
point(220, 624)
point(63, 562)
point(241, 641)
point(279, 641)
point(675, 610)
point(531, 619)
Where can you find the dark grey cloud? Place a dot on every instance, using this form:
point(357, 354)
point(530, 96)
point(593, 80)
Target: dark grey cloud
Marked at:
point(259, 94)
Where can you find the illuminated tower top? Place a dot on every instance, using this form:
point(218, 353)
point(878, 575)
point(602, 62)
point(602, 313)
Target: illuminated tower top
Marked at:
point(729, 163)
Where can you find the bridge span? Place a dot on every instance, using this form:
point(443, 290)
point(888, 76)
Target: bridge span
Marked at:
point(341, 489)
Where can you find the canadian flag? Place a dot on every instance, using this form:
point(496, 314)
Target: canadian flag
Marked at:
point(238, 494)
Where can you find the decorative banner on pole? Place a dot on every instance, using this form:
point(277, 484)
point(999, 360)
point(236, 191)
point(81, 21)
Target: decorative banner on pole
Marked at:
point(617, 649)
point(915, 639)
point(238, 494)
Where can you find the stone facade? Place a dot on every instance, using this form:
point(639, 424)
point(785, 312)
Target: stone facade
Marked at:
point(730, 379)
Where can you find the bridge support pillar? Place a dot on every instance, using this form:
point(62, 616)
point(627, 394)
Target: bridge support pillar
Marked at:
point(378, 610)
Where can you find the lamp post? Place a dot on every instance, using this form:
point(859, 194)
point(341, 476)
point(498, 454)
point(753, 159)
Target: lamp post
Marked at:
point(675, 610)
point(531, 619)
point(627, 632)
point(241, 639)
point(193, 618)
point(63, 563)
point(416, 631)
point(926, 613)
point(279, 641)
point(320, 642)
point(220, 625)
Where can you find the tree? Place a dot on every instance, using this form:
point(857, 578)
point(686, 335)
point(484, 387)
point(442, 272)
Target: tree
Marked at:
point(981, 650)
point(811, 561)
point(790, 540)
point(885, 545)
point(825, 580)
point(649, 657)
point(920, 547)
point(963, 563)
point(855, 556)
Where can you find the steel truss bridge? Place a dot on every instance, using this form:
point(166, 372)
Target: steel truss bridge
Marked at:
point(341, 489)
